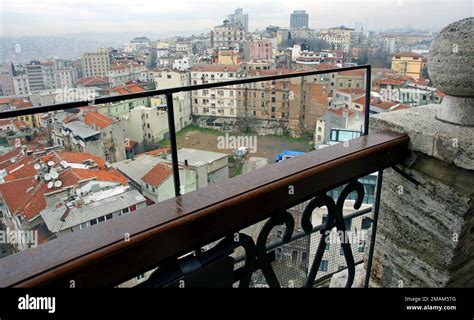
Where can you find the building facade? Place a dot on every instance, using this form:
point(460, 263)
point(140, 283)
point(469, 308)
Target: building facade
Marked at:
point(299, 19)
point(95, 64)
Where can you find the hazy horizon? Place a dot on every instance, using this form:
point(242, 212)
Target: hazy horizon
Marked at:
point(186, 17)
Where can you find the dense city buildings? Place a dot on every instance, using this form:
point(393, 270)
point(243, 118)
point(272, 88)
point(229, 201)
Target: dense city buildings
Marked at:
point(65, 170)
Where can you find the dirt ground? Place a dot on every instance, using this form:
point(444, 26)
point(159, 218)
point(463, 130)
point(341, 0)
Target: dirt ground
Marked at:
point(267, 146)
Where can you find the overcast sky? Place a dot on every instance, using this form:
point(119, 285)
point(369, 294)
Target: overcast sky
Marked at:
point(183, 17)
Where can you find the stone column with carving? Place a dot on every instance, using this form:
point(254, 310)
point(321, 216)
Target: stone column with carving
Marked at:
point(425, 234)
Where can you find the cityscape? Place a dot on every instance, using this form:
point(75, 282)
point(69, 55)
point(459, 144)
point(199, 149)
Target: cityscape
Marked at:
point(68, 169)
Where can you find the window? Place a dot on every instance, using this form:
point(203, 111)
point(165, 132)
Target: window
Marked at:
point(294, 256)
point(83, 225)
point(125, 211)
point(108, 217)
point(323, 266)
point(361, 246)
point(304, 257)
point(101, 219)
point(366, 223)
point(169, 76)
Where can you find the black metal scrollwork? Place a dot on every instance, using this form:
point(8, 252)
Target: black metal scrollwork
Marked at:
point(278, 219)
point(335, 218)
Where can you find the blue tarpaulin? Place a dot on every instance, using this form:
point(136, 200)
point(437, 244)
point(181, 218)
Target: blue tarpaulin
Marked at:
point(287, 154)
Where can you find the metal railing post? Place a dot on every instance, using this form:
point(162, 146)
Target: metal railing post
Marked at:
point(368, 87)
point(173, 143)
point(374, 227)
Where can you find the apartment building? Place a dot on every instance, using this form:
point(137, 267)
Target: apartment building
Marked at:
point(239, 18)
point(216, 102)
point(120, 73)
point(258, 50)
point(408, 64)
point(299, 19)
point(112, 135)
point(338, 37)
point(7, 72)
point(168, 78)
point(295, 103)
point(34, 72)
point(228, 35)
point(147, 125)
point(21, 85)
point(95, 64)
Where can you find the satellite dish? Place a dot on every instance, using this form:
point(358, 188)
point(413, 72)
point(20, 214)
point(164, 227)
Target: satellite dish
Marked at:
point(37, 166)
point(47, 177)
point(54, 174)
point(50, 163)
point(58, 184)
point(50, 185)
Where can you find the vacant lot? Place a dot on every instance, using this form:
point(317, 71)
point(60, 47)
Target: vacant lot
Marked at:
point(267, 146)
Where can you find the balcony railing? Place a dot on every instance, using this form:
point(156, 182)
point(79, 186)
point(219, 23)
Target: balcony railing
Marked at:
point(187, 238)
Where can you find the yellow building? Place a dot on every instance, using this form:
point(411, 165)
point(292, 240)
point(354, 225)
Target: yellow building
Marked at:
point(408, 64)
point(228, 57)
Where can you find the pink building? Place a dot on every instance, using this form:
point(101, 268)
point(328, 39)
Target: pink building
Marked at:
point(258, 50)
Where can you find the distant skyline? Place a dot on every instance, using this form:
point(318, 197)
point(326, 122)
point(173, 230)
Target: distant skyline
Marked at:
point(184, 17)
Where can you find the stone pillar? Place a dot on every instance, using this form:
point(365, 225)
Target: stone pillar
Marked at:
point(425, 234)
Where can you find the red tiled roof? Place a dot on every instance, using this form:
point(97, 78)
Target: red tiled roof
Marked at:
point(157, 152)
point(6, 157)
point(68, 119)
point(400, 106)
point(4, 100)
point(158, 174)
point(23, 168)
point(95, 119)
point(354, 73)
point(215, 68)
point(386, 105)
point(93, 81)
point(111, 175)
point(19, 103)
point(340, 111)
point(27, 195)
point(407, 54)
point(128, 88)
point(20, 124)
point(73, 157)
point(393, 82)
point(5, 122)
point(15, 193)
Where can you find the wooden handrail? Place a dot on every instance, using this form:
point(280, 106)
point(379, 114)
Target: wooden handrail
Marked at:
point(100, 256)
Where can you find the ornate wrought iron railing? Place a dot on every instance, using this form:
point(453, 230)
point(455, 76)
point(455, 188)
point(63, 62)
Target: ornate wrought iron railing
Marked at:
point(167, 237)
